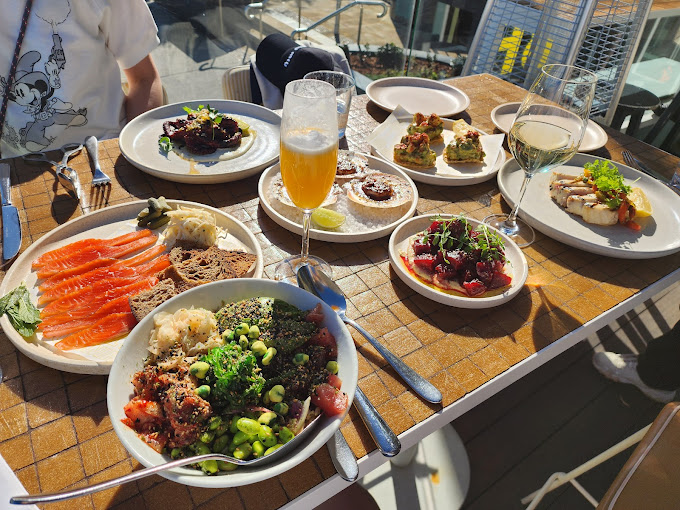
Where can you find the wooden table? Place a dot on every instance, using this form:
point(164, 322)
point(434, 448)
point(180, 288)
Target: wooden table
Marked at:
point(55, 432)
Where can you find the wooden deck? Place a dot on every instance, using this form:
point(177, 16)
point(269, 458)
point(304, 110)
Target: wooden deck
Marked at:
point(560, 416)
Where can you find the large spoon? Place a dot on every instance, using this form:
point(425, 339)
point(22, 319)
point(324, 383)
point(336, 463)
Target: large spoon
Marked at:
point(387, 441)
point(318, 283)
point(136, 475)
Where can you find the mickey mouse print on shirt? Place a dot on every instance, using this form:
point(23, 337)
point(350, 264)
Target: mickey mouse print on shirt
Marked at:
point(36, 88)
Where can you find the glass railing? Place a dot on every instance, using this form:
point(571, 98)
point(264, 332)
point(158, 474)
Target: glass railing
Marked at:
point(201, 39)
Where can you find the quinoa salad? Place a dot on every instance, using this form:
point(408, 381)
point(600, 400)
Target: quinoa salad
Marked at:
point(242, 381)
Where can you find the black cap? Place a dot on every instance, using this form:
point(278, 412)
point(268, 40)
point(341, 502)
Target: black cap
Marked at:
point(281, 60)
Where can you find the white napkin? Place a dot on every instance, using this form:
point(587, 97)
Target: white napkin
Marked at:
point(389, 133)
point(10, 486)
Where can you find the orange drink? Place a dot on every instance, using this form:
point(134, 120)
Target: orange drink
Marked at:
point(308, 163)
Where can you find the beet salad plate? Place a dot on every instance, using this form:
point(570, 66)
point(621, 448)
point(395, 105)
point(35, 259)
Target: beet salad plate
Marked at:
point(507, 283)
point(139, 144)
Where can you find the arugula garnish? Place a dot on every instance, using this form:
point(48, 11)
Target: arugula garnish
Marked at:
point(22, 314)
point(456, 234)
point(608, 181)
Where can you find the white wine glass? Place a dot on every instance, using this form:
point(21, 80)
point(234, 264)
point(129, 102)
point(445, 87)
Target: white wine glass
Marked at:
point(546, 133)
point(308, 159)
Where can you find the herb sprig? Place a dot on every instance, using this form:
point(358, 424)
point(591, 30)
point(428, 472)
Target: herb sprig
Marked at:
point(22, 314)
point(609, 182)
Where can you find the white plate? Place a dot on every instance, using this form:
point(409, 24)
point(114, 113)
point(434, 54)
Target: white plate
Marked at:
point(211, 296)
point(103, 224)
point(139, 144)
point(504, 115)
point(443, 173)
point(399, 243)
point(328, 235)
point(659, 234)
point(417, 95)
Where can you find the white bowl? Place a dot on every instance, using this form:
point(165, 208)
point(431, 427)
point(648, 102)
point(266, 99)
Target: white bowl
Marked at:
point(515, 258)
point(130, 359)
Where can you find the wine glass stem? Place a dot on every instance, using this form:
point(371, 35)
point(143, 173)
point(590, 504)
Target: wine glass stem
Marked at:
point(306, 221)
point(511, 220)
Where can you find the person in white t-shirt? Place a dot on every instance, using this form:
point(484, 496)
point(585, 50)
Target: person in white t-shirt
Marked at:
point(67, 83)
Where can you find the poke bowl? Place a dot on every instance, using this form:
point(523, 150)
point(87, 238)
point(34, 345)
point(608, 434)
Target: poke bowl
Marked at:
point(213, 297)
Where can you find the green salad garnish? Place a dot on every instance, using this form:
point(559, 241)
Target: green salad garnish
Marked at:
point(165, 143)
point(608, 181)
point(22, 314)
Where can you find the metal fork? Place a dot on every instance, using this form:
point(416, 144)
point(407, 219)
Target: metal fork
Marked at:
point(99, 178)
point(631, 160)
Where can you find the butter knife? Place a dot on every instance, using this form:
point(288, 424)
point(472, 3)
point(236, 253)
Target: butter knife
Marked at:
point(11, 230)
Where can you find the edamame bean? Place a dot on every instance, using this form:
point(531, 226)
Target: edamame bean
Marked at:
point(199, 369)
point(267, 436)
point(248, 426)
point(200, 448)
point(272, 449)
point(243, 342)
point(258, 348)
point(300, 358)
point(265, 398)
point(254, 332)
point(222, 429)
point(203, 391)
point(243, 451)
point(214, 423)
point(232, 425)
point(332, 367)
point(239, 438)
point(281, 408)
point(207, 436)
point(276, 393)
point(209, 467)
point(223, 465)
point(266, 418)
point(241, 329)
point(228, 335)
point(269, 356)
point(285, 435)
point(175, 453)
point(221, 443)
point(258, 449)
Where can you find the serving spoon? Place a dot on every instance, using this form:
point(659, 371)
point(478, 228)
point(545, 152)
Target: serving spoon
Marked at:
point(318, 283)
point(142, 473)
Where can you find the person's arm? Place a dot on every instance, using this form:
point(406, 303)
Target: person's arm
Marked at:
point(145, 89)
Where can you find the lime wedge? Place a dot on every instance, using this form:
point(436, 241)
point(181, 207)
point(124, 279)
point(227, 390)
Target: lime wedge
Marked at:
point(326, 218)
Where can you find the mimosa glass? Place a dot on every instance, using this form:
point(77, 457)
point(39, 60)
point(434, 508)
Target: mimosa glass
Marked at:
point(546, 133)
point(308, 159)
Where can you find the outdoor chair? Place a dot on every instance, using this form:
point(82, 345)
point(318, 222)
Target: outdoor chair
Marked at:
point(671, 115)
point(236, 84)
point(650, 479)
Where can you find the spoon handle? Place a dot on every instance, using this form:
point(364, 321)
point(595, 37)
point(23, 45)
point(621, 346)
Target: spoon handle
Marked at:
point(135, 475)
point(387, 441)
point(416, 381)
point(343, 458)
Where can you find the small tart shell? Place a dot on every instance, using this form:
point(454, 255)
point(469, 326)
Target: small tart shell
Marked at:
point(402, 192)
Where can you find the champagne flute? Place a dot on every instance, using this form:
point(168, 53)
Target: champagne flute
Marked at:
point(546, 133)
point(308, 159)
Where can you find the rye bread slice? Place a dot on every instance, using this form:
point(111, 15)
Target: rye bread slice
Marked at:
point(144, 302)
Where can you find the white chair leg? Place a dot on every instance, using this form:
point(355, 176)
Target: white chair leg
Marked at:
point(558, 479)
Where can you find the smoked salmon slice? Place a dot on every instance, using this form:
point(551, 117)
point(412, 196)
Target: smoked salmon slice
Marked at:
point(58, 278)
point(108, 328)
point(88, 254)
point(69, 249)
point(119, 305)
point(90, 309)
point(95, 296)
point(108, 273)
